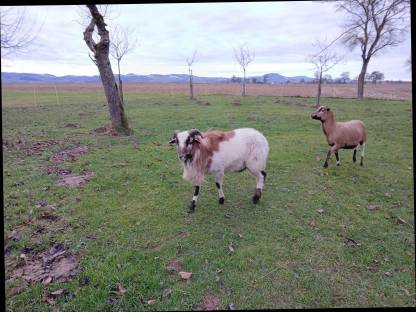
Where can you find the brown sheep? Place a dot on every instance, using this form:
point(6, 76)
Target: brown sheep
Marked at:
point(346, 135)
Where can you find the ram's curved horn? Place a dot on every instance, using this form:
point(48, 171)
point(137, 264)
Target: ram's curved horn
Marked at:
point(174, 137)
point(194, 132)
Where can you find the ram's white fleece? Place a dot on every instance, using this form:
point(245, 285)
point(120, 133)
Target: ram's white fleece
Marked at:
point(247, 148)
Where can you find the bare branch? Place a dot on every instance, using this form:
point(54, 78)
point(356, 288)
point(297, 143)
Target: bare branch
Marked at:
point(190, 61)
point(243, 56)
point(122, 41)
point(16, 33)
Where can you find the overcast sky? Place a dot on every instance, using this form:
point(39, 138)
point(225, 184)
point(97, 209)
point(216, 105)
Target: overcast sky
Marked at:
point(280, 33)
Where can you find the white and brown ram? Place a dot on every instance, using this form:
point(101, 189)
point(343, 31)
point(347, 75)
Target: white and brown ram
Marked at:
point(216, 152)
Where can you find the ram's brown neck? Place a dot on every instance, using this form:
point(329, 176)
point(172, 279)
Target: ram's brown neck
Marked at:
point(328, 125)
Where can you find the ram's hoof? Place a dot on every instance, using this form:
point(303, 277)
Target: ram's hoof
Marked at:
point(255, 199)
point(326, 165)
point(221, 200)
point(191, 207)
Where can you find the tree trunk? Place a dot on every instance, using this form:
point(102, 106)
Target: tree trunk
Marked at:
point(244, 82)
point(191, 84)
point(115, 107)
point(318, 95)
point(120, 83)
point(101, 53)
point(361, 76)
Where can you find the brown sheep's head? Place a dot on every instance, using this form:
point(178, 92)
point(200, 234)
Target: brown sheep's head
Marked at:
point(186, 141)
point(321, 113)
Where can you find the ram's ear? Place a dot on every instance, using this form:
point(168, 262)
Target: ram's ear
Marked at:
point(174, 137)
point(327, 109)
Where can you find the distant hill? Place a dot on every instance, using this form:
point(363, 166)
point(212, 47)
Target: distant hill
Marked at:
point(133, 78)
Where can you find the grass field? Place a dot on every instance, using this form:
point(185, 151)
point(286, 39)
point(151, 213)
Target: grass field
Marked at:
point(336, 237)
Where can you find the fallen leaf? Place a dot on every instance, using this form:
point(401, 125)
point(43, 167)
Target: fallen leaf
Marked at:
point(167, 293)
point(349, 242)
point(339, 296)
point(47, 280)
point(312, 223)
point(14, 235)
point(151, 301)
point(57, 293)
point(185, 275)
point(230, 248)
point(400, 220)
point(405, 291)
point(388, 274)
point(321, 211)
point(372, 207)
point(118, 290)
point(231, 306)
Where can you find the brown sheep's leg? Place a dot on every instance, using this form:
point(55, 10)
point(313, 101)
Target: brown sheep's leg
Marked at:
point(327, 158)
point(354, 159)
point(337, 157)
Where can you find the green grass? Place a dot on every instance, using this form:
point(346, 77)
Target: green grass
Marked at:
point(280, 260)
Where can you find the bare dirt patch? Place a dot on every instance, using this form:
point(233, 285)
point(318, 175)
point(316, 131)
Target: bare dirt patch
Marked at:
point(236, 102)
point(58, 171)
point(199, 102)
point(106, 130)
point(18, 231)
point(70, 154)
point(74, 180)
point(209, 303)
point(56, 264)
point(36, 148)
point(174, 265)
point(86, 114)
point(72, 125)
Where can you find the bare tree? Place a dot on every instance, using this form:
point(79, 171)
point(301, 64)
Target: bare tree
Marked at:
point(243, 57)
point(16, 32)
point(408, 63)
point(120, 45)
point(345, 76)
point(376, 76)
point(373, 25)
point(101, 59)
point(190, 61)
point(323, 61)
